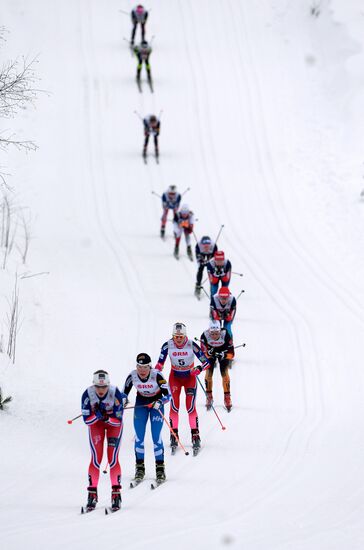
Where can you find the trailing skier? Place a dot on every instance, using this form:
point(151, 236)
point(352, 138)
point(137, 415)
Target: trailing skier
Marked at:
point(223, 308)
point(142, 52)
point(152, 394)
point(183, 222)
point(152, 127)
point(218, 347)
point(204, 251)
point(171, 200)
point(219, 271)
point(139, 16)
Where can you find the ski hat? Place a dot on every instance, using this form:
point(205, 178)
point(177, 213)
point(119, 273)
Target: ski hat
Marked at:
point(172, 190)
point(144, 44)
point(214, 326)
point(139, 9)
point(101, 379)
point(206, 240)
point(219, 257)
point(224, 292)
point(143, 359)
point(179, 329)
point(185, 210)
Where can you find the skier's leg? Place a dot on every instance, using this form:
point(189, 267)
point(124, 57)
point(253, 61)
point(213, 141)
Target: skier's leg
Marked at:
point(133, 33)
point(156, 146)
point(190, 385)
point(140, 422)
point(146, 140)
point(175, 386)
point(224, 369)
point(96, 438)
point(156, 425)
point(114, 434)
point(227, 326)
point(199, 275)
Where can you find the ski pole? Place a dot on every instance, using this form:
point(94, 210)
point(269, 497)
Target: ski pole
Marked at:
point(156, 194)
point(194, 234)
point(241, 292)
point(124, 12)
point(185, 191)
point(72, 419)
point(138, 115)
point(160, 114)
point(240, 346)
point(235, 273)
point(213, 408)
point(79, 416)
point(173, 433)
point(219, 233)
point(205, 291)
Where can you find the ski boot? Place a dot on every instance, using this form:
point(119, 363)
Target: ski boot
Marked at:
point(139, 471)
point(144, 154)
point(209, 400)
point(227, 401)
point(91, 499)
point(198, 291)
point(189, 252)
point(160, 472)
point(115, 498)
point(196, 441)
point(156, 153)
point(174, 443)
point(176, 252)
point(163, 232)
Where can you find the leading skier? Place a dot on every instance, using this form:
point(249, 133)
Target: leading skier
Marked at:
point(102, 410)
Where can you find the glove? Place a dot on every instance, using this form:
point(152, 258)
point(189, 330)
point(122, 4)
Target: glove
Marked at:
point(159, 367)
point(195, 371)
point(124, 402)
point(156, 405)
point(100, 412)
point(220, 354)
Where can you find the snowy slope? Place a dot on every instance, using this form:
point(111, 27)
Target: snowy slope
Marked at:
point(258, 121)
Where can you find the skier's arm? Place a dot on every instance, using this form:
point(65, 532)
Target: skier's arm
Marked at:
point(163, 384)
point(230, 316)
point(200, 356)
point(88, 415)
point(162, 357)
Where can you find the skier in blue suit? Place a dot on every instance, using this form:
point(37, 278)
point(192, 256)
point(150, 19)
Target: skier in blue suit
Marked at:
point(152, 393)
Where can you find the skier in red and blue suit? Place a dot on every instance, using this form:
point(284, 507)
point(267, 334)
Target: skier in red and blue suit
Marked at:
point(181, 352)
point(102, 410)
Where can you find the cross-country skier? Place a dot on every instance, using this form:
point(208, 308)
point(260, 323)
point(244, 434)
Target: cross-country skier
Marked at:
point(152, 393)
point(219, 271)
point(152, 127)
point(204, 251)
point(223, 308)
point(183, 222)
point(217, 345)
point(142, 52)
point(171, 200)
point(139, 15)
point(102, 411)
point(183, 373)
